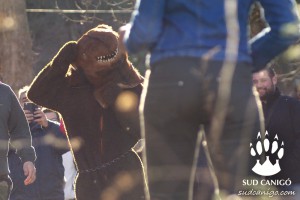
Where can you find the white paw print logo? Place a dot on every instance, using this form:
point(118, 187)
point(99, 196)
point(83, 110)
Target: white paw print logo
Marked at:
point(267, 168)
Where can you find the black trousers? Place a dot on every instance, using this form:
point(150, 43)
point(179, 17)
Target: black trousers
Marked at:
point(181, 94)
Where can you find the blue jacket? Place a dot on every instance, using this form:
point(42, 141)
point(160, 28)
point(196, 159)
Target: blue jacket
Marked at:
point(49, 183)
point(197, 28)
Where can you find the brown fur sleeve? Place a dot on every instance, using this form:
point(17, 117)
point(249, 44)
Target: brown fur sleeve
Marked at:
point(49, 85)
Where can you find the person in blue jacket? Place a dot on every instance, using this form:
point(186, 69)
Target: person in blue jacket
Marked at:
point(201, 62)
point(46, 134)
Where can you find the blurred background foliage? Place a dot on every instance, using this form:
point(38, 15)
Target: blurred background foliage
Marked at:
point(31, 32)
point(286, 65)
point(40, 28)
point(51, 29)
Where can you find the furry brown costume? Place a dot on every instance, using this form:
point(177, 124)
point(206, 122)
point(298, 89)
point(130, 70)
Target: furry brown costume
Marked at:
point(83, 82)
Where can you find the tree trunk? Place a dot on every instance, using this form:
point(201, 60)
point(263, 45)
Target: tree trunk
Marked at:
point(15, 52)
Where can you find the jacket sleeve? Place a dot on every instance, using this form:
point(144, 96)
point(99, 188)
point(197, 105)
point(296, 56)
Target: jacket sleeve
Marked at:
point(20, 136)
point(146, 25)
point(283, 31)
point(49, 85)
point(61, 144)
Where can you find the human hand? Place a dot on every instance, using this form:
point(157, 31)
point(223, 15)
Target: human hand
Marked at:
point(29, 172)
point(122, 31)
point(40, 118)
point(29, 116)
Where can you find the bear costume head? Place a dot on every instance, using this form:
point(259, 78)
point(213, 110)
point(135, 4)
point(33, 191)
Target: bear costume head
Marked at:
point(105, 64)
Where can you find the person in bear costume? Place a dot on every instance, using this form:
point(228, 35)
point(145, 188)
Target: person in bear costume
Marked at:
point(95, 88)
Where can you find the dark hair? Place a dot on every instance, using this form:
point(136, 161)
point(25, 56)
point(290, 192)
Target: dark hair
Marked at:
point(271, 72)
point(270, 69)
